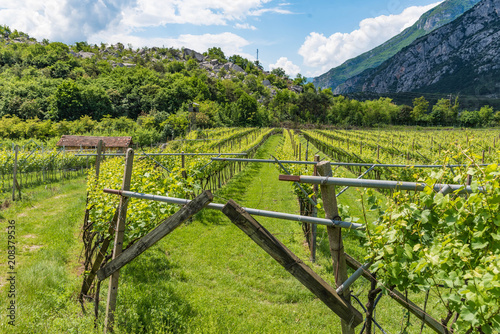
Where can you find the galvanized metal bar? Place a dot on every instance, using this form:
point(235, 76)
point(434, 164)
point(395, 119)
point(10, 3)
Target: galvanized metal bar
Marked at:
point(353, 164)
point(381, 184)
point(163, 154)
point(359, 177)
point(357, 274)
point(267, 161)
point(257, 212)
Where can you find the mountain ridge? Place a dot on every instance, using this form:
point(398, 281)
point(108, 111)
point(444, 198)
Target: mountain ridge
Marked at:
point(459, 57)
point(429, 21)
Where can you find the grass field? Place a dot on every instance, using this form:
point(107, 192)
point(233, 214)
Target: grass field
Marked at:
point(205, 277)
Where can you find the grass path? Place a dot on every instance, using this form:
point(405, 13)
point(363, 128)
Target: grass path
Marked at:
point(47, 250)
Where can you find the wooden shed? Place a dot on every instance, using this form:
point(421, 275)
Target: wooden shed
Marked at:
point(90, 142)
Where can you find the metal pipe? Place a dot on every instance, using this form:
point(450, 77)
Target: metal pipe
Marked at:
point(267, 161)
point(357, 274)
point(354, 164)
point(256, 212)
point(160, 154)
point(381, 184)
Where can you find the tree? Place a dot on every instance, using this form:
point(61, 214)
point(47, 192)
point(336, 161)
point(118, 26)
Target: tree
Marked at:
point(239, 60)
point(486, 115)
point(67, 102)
point(299, 80)
point(216, 53)
point(444, 113)
point(247, 108)
point(420, 108)
point(279, 72)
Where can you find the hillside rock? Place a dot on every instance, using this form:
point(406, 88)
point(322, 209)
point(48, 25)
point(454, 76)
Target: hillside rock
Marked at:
point(460, 57)
point(85, 55)
point(193, 54)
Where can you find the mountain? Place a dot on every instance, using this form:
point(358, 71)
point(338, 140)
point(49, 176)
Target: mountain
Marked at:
point(438, 16)
point(461, 57)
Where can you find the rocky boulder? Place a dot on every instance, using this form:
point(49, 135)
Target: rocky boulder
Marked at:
point(193, 54)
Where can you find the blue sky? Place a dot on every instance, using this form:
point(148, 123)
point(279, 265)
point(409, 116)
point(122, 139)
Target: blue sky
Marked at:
point(307, 37)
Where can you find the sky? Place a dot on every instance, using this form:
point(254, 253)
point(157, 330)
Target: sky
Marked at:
point(306, 37)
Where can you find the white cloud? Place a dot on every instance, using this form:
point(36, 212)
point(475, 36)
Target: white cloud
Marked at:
point(325, 53)
point(244, 26)
point(67, 21)
point(75, 20)
point(290, 68)
point(262, 11)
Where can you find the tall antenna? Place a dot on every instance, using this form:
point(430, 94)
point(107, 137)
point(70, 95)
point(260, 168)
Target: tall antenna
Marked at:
point(257, 54)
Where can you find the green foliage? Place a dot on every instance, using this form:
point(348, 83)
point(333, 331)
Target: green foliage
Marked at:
point(279, 72)
point(420, 108)
point(427, 239)
point(143, 215)
point(216, 53)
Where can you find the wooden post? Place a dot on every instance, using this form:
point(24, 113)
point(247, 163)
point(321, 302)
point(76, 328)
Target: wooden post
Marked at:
point(300, 151)
point(120, 229)
point(307, 150)
point(164, 228)
point(14, 173)
point(100, 149)
point(292, 263)
point(314, 227)
point(335, 236)
point(183, 166)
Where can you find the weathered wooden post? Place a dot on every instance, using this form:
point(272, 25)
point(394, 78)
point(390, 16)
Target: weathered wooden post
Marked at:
point(335, 236)
point(307, 150)
point(100, 150)
point(183, 166)
point(314, 227)
point(120, 229)
point(14, 174)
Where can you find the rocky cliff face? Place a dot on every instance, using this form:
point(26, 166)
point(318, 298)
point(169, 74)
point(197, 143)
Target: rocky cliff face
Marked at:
point(460, 57)
point(433, 19)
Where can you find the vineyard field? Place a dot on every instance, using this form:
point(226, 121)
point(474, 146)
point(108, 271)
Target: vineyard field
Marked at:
point(440, 250)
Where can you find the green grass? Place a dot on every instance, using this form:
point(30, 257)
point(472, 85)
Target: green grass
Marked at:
point(47, 260)
point(207, 276)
